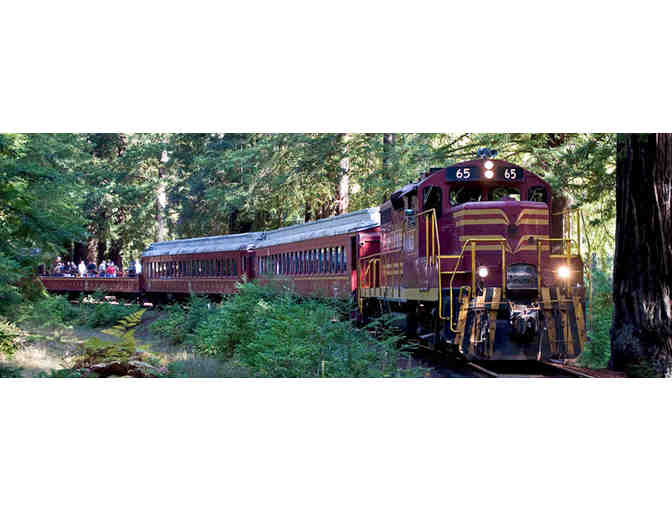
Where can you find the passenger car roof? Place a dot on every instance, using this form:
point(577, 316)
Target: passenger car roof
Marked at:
point(327, 227)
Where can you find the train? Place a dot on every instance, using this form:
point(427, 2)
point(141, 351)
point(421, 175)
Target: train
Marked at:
point(478, 259)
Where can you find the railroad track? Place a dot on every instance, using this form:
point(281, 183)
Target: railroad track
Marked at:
point(512, 369)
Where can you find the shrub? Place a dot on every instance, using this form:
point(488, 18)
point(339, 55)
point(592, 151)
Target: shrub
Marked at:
point(180, 321)
point(67, 373)
point(97, 313)
point(206, 368)
point(96, 351)
point(278, 334)
point(50, 311)
point(170, 327)
point(94, 312)
point(9, 371)
point(597, 350)
point(8, 339)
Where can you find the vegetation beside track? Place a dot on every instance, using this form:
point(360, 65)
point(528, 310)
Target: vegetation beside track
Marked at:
point(275, 333)
point(259, 332)
point(597, 351)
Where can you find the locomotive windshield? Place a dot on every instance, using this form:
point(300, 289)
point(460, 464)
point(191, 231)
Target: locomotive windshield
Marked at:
point(463, 194)
point(504, 193)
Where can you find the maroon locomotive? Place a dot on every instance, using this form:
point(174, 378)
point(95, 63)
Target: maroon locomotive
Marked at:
point(477, 257)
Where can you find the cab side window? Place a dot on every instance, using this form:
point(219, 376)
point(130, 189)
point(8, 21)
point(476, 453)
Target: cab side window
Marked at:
point(432, 199)
point(412, 201)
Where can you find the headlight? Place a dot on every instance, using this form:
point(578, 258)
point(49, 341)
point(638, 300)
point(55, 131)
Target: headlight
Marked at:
point(489, 174)
point(488, 165)
point(483, 272)
point(564, 272)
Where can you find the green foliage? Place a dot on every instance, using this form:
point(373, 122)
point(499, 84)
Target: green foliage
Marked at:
point(57, 311)
point(272, 333)
point(51, 311)
point(38, 204)
point(10, 371)
point(67, 373)
point(181, 321)
point(196, 367)
point(598, 349)
point(171, 326)
point(96, 351)
point(9, 334)
point(98, 313)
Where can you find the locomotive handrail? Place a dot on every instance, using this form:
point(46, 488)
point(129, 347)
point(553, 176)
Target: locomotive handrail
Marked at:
point(380, 254)
point(473, 242)
point(431, 230)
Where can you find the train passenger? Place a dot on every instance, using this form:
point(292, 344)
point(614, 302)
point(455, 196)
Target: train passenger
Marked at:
point(91, 269)
point(81, 269)
point(57, 270)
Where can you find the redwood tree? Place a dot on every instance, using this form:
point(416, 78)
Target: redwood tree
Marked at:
point(641, 335)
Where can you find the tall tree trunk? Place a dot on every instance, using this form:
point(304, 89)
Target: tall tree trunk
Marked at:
point(115, 252)
point(307, 212)
point(641, 334)
point(161, 200)
point(388, 148)
point(92, 250)
point(101, 248)
point(81, 252)
point(344, 182)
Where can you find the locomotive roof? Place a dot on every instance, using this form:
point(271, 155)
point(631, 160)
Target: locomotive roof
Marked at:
point(327, 227)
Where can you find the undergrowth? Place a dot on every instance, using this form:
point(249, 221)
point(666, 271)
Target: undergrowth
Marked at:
point(9, 335)
point(597, 350)
point(274, 333)
point(181, 321)
point(92, 311)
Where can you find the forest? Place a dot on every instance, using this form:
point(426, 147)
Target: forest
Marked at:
point(107, 196)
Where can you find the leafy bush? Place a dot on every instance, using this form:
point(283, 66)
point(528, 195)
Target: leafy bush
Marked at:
point(171, 327)
point(50, 311)
point(206, 368)
point(96, 351)
point(278, 334)
point(67, 373)
point(9, 371)
point(93, 312)
point(597, 350)
point(181, 321)
point(8, 339)
point(97, 313)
